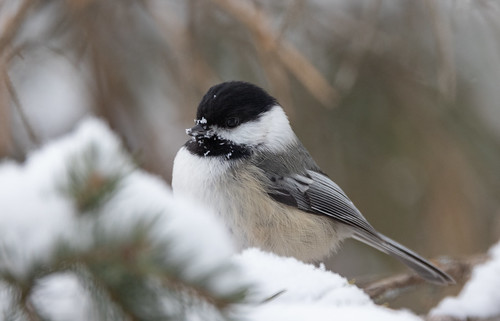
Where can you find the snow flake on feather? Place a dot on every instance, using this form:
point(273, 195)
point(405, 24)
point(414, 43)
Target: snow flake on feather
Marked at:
point(202, 121)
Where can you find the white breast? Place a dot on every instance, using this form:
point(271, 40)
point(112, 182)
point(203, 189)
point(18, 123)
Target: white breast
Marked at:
point(236, 194)
point(192, 174)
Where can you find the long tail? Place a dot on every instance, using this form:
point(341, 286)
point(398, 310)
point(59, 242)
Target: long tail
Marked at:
point(420, 265)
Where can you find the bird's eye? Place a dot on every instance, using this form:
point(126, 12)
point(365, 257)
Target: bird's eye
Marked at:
point(232, 122)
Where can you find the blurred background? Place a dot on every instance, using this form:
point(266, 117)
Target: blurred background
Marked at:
point(397, 100)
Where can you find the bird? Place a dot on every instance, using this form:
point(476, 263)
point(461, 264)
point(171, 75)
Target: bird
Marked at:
point(244, 163)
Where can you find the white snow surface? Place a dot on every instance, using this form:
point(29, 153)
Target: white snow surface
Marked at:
point(300, 292)
point(480, 297)
point(62, 297)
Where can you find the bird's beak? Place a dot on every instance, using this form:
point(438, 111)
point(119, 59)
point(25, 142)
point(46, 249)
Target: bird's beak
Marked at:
point(197, 130)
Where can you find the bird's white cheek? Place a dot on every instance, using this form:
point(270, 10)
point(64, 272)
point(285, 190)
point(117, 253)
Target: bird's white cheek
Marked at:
point(271, 131)
point(251, 133)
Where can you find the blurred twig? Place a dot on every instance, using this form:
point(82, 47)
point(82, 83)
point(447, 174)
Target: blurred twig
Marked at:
point(5, 136)
point(362, 40)
point(275, 70)
point(450, 318)
point(13, 25)
point(30, 311)
point(343, 24)
point(446, 71)
point(291, 13)
point(189, 59)
point(7, 35)
point(265, 37)
point(459, 269)
point(17, 104)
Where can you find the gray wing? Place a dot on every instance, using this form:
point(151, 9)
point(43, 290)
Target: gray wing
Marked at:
point(315, 193)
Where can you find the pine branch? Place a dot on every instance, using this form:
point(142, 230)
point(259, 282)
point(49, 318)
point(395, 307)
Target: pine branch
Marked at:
point(89, 186)
point(131, 272)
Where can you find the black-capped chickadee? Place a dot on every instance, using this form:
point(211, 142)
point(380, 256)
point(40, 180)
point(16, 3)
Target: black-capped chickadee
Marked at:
point(244, 162)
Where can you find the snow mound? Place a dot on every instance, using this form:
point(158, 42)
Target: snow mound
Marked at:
point(287, 289)
point(480, 297)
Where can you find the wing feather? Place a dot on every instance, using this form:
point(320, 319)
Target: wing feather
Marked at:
point(315, 193)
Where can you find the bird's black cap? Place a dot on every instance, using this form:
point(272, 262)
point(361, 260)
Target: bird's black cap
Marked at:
point(233, 99)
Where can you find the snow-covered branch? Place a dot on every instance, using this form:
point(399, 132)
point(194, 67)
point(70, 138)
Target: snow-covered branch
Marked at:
point(459, 269)
point(85, 235)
